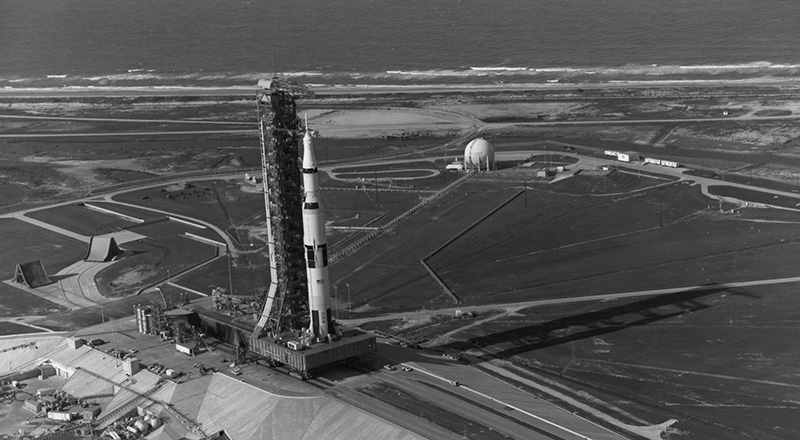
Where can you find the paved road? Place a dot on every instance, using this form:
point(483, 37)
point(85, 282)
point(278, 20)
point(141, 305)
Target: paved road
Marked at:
point(520, 403)
point(126, 134)
point(513, 307)
point(158, 121)
point(533, 418)
point(75, 286)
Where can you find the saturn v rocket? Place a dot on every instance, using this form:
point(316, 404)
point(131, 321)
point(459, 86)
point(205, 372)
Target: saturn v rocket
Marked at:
point(316, 247)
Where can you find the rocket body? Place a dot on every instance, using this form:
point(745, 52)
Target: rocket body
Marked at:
point(316, 247)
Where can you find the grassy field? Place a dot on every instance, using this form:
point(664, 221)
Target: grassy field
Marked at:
point(385, 274)
point(81, 220)
point(385, 176)
point(149, 263)
point(384, 167)
point(568, 241)
point(248, 273)
point(723, 362)
point(430, 411)
point(11, 193)
point(23, 242)
point(436, 182)
point(755, 196)
point(11, 328)
point(567, 247)
point(162, 228)
point(17, 303)
point(221, 203)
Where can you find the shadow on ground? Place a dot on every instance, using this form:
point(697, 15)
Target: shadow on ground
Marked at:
point(595, 323)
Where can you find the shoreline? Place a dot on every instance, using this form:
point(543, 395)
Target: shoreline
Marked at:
point(338, 89)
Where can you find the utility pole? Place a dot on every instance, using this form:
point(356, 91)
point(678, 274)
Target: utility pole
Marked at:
point(660, 211)
point(376, 188)
point(526, 193)
point(349, 309)
point(230, 277)
point(169, 280)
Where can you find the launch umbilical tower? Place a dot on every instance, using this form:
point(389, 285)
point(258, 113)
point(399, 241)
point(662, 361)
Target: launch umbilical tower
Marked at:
point(279, 130)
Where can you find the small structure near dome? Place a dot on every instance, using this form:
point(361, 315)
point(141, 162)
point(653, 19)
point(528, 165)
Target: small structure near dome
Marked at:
point(479, 155)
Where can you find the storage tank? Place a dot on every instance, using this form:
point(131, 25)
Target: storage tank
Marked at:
point(479, 155)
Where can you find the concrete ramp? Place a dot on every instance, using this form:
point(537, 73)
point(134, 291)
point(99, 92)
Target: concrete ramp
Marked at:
point(102, 249)
point(31, 274)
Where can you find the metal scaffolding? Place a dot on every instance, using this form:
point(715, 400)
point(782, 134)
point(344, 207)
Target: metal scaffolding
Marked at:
point(283, 195)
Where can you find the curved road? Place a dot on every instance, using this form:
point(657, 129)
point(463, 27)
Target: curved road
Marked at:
point(86, 299)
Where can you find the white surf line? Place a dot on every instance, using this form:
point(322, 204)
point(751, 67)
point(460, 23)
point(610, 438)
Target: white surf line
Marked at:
point(553, 424)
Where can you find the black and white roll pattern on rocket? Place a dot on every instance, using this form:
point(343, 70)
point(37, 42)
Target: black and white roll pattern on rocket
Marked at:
point(316, 247)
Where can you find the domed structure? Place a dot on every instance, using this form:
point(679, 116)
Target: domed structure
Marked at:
point(479, 155)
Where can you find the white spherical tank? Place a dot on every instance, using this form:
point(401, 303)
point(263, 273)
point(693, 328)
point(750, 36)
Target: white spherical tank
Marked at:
point(479, 155)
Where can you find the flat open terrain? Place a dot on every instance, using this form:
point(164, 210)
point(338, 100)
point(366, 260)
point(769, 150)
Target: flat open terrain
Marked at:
point(566, 245)
point(81, 220)
point(149, 262)
point(722, 362)
point(22, 243)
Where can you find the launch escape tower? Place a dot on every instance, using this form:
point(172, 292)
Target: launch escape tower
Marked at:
point(279, 135)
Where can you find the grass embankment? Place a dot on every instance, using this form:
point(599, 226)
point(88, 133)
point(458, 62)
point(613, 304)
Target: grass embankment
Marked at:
point(148, 263)
point(431, 412)
point(81, 220)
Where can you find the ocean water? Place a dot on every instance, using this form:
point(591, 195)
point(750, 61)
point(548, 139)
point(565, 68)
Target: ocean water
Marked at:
point(373, 42)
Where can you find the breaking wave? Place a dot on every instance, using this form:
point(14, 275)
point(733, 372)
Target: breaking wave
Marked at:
point(475, 75)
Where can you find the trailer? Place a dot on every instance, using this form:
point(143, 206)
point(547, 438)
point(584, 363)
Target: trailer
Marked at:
point(303, 363)
point(185, 349)
point(64, 416)
point(663, 163)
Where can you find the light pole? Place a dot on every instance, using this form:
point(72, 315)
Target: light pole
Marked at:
point(336, 299)
point(169, 280)
point(230, 277)
point(349, 309)
point(376, 188)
